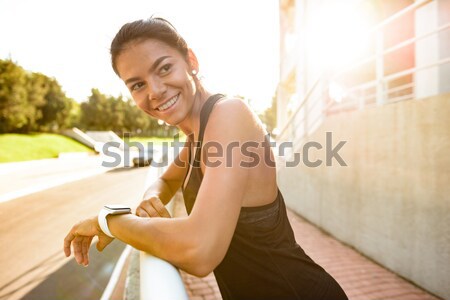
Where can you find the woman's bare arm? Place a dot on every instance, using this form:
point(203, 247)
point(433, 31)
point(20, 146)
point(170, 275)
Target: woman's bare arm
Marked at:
point(161, 191)
point(199, 242)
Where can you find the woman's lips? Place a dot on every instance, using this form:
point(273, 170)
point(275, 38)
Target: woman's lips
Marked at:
point(168, 104)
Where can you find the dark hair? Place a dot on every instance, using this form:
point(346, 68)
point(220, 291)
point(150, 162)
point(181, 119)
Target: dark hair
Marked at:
point(152, 28)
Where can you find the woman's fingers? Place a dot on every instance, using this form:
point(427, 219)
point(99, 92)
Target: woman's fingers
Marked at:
point(149, 209)
point(77, 249)
point(80, 238)
point(153, 208)
point(142, 213)
point(86, 244)
point(159, 207)
point(67, 242)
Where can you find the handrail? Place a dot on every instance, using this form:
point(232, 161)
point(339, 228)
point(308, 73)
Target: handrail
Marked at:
point(380, 83)
point(393, 76)
point(399, 14)
point(159, 280)
point(413, 70)
point(415, 39)
point(358, 94)
point(392, 49)
point(299, 107)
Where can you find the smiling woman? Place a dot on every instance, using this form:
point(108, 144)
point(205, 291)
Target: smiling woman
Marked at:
point(237, 225)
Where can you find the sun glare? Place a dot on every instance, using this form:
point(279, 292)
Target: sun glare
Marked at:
point(338, 35)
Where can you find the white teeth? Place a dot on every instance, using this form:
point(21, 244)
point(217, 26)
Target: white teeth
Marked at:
point(168, 104)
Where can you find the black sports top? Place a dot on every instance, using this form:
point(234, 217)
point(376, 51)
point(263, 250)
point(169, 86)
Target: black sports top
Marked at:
point(263, 260)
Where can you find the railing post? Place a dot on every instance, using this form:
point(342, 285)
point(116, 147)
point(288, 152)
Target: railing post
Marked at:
point(362, 99)
point(379, 66)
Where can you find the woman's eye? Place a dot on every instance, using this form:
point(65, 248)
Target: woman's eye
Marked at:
point(166, 68)
point(136, 86)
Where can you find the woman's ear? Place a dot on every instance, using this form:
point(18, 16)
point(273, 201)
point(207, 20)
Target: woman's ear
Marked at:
point(192, 61)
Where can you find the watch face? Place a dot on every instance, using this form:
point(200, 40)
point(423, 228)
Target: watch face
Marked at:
point(117, 207)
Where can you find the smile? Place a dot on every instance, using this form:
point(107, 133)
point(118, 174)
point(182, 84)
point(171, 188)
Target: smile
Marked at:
point(168, 104)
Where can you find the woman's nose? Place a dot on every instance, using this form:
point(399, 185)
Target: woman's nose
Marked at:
point(157, 88)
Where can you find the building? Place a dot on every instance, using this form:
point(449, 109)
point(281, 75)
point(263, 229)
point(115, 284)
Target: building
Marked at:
point(375, 74)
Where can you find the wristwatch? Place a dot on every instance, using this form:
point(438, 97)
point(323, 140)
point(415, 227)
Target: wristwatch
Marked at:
point(111, 209)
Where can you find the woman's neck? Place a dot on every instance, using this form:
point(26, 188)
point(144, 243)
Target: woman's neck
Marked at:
point(192, 125)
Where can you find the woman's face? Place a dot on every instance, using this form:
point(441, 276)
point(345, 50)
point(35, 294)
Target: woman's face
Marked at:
point(159, 79)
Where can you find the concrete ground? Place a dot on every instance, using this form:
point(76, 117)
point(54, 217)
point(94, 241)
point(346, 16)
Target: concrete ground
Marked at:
point(20, 179)
point(33, 228)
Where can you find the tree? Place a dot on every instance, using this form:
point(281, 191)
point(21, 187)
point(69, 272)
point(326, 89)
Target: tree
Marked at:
point(37, 87)
point(96, 112)
point(102, 112)
point(14, 110)
point(31, 101)
point(269, 116)
point(57, 108)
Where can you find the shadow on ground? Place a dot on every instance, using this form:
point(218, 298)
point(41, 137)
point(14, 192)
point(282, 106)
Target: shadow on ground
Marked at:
point(75, 282)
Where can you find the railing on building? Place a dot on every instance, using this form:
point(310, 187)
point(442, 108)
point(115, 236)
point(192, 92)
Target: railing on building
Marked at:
point(317, 104)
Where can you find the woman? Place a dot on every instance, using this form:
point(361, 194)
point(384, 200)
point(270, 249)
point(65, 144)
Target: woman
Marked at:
point(237, 224)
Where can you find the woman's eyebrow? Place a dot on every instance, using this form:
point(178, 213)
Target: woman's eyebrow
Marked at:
point(152, 68)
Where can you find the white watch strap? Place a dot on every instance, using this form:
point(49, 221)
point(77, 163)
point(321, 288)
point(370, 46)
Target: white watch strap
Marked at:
point(103, 222)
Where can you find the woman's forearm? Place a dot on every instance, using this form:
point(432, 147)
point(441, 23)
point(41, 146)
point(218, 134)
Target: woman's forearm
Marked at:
point(161, 189)
point(174, 240)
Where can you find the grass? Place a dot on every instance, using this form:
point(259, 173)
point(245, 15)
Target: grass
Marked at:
point(21, 147)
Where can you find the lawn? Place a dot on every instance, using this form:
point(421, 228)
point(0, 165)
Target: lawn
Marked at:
point(20, 147)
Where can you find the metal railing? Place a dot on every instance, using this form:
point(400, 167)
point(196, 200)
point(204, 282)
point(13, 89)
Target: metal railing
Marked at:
point(159, 280)
point(306, 117)
point(291, 131)
point(149, 277)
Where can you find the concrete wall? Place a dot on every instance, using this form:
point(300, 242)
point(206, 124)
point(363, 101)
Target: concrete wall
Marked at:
point(80, 136)
point(392, 201)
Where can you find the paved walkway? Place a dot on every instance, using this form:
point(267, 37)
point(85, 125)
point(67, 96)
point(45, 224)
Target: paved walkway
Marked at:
point(361, 278)
point(28, 177)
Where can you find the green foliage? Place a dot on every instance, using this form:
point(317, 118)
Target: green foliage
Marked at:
point(57, 109)
point(13, 97)
point(269, 116)
point(95, 113)
point(35, 102)
point(32, 101)
point(102, 112)
point(20, 147)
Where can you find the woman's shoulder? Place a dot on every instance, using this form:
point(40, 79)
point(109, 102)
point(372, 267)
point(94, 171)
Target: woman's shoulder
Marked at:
point(234, 115)
point(234, 108)
point(232, 101)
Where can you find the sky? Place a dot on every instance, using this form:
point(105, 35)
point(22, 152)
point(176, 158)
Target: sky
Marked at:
point(236, 41)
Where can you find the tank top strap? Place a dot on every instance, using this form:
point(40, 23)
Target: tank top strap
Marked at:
point(204, 117)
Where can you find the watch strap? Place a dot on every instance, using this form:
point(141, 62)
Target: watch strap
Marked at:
point(103, 222)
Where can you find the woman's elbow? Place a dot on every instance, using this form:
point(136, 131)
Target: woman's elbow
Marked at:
point(203, 262)
point(201, 268)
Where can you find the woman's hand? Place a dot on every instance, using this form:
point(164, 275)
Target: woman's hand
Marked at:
point(81, 236)
point(152, 208)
